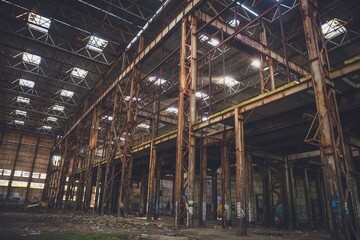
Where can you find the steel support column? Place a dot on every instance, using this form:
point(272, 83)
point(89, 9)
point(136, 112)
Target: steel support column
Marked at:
point(340, 188)
point(91, 157)
point(307, 199)
point(250, 190)
point(157, 189)
point(225, 187)
point(14, 166)
point(150, 192)
point(241, 181)
point(203, 186)
point(185, 147)
point(32, 169)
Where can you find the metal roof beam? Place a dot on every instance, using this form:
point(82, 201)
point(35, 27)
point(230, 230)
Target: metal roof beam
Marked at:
point(191, 6)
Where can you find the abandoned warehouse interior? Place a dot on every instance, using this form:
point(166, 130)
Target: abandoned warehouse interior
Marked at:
point(241, 112)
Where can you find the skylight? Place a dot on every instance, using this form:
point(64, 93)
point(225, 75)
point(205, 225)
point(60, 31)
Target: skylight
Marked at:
point(333, 28)
point(201, 95)
point(31, 58)
point(66, 93)
point(106, 117)
point(26, 83)
point(172, 110)
point(234, 23)
point(39, 23)
point(213, 42)
point(228, 81)
point(143, 125)
point(78, 72)
point(46, 128)
point(127, 98)
point(248, 9)
point(96, 44)
point(51, 119)
point(157, 81)
point(256, 63)
point(20, 112)
point(20, 99)
point(18, 122)
point(58, 108)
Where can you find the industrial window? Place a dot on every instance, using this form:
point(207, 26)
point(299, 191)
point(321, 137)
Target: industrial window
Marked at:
point(66, 93)
point(333, 28)
point(17, 173)
point(56, 160)
point(58, 108)
point(7, 172)
point(35, 175)
point(213, 42)
point(96, 44)
point(20, 99)
point(26, 83)
point(42, 175)
point(39, 23)
point(25, 174)
point(37, 185)
point(78, 72)
point(51, 119)
point(19, 184)
point(31, 58)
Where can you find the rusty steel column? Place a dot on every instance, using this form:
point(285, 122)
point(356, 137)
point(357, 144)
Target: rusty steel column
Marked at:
point(241, 181)
point(14, 166)
point(157, 188)
point(32, 168)
point(250, 190)
point(290, 214)
point(225, 187)
point(203, 186)
point(267, 194)
point(63, 170)
point(192, 119)
point(97, 187)
point(214, 200)
point(91, 157)
point(142, 209)
point(340, 191)
point(320, 197)
point(307, 199)
point(185, 147)
point(150, 192)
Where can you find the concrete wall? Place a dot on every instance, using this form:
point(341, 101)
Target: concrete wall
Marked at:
point(20, 165)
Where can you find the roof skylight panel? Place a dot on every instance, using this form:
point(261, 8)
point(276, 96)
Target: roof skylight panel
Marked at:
point(26, 83)
point(66, 93)
point(51, 119)
point(25, 100)
point(20, 112)
point(31, 58)
point(228, 81)
point(58, 108)
point(333, 28)
point(78, 72)
point(19, 122)
point(172, 110)
point(38, 22)
point(96, 44)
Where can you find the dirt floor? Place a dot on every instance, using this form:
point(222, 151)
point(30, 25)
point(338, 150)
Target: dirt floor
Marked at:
point(18, 222)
